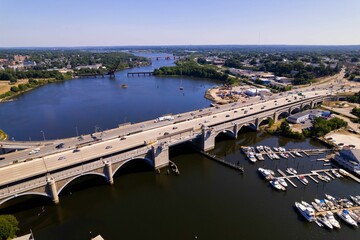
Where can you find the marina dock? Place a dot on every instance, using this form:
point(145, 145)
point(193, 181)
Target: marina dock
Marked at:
point(336, 210)
point(222, 161)
point(284, 175)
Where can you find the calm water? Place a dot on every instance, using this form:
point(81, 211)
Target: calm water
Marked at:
point(207, 201)
point(58, 108)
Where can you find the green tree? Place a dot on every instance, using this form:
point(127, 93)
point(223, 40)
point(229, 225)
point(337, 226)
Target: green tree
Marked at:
point(9, 225)
point(14, 89)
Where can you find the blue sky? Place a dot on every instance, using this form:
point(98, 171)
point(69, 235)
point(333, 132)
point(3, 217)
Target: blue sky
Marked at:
point(181, 22)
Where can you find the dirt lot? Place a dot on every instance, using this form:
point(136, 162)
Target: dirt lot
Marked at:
point(5, 86)
point(345, 137)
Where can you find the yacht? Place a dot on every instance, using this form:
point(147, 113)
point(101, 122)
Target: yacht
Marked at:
point(282, 182)
point(282, 155)
point(291, 171)
point(344, 215)
point(330, 217)
point(297, 154)
point(321, 203)
point(268, 174)
point(308, 213)
point(251, 157)
point(281, 149)
point(356, 199)
point(275, 149)
point(267, 149)
point(316, 206)
point(336, 174)
point(275, 156)
point(260, 148)
point(354, 216)
point(324, 221)
point(322, 177)
point(259, 156)
point(275, 183)
point(303, 179)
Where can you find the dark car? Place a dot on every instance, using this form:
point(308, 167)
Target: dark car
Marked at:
point(61, 145)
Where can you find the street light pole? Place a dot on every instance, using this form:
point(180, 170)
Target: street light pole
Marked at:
point(43, 135)
point(77, 133)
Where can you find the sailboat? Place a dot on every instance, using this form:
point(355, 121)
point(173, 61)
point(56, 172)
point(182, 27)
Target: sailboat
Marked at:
point(181, 87)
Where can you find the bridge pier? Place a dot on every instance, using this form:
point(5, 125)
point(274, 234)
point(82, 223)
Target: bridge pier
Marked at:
point(161, 155)
point(108, 172)
point(276, 115)
point(52, 190)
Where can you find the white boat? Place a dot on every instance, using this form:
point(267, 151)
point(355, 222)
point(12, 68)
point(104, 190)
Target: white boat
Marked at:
point(336, 174)
point(324, 221)
point(354, 216)
point(297, 154)
point(267, 149)
point(355, 199)
point(329, 197)
point(268, 174)
point(321, 177)
point(344, 215)
point(281, 149)
point(308, 213)
point(275, 183)
point(245, 149)
point(251, 157)
point(275, 149)
point(307, 205)
point(330, 217)
point(316, 207)
point(259, 156)
point(291, 171)
point(330, 204)
point(260, 148)
point(283, 182)
point(322, 204)
point(303, 179)
point(275, 156)
point(283, 155)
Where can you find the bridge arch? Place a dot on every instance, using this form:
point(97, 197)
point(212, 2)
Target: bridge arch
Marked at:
point(147, 160)
point(251, 126)
point(82, 175)
point(226, 131)
point(295, 110)
point(264, 121)
point(24, 194)
point(306, 106)
point(283, 115)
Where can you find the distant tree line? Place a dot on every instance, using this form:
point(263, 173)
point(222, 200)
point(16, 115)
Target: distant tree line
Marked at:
point(13, 75)
point(304, 74)
point(192, 69)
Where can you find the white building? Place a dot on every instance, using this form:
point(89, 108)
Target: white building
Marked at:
point(349, 159)
point(303, 116)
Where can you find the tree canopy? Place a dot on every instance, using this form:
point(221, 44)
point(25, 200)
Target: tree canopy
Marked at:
point(9, 225)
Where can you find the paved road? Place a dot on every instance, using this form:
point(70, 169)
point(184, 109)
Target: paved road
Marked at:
point(49, 158)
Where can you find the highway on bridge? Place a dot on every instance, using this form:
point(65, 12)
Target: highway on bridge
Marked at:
point(21, 165)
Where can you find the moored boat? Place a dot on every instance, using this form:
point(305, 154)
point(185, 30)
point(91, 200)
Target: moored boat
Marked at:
point(344, 215)
point(303, 179)
point(308, 213)
point(259, 156)
point(297, 154)
point(283, 182)
point(267, 174)
point(355, 199)
point(275, 183)
point(324, 221)
point(291, 171)
point(330, 217)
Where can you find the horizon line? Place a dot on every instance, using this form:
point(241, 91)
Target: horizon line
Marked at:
point(189, 45)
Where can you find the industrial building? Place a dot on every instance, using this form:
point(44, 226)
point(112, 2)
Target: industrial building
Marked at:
point(303, 116)
point(349, 159)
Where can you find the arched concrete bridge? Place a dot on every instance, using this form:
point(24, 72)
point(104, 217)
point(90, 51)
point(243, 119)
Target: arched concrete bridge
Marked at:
point(48, 174)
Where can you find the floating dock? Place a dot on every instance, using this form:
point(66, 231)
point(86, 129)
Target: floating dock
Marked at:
point(285, 176)
point(222, 161)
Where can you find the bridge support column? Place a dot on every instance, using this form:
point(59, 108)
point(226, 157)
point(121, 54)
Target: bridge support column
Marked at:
point(52, 190)
point(257, 122)
point(275, 117)
point(208, 139)
point(235, 130)
point(108, 172)
point(161, 155)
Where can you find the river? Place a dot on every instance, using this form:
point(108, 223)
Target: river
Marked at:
point(207, 200)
